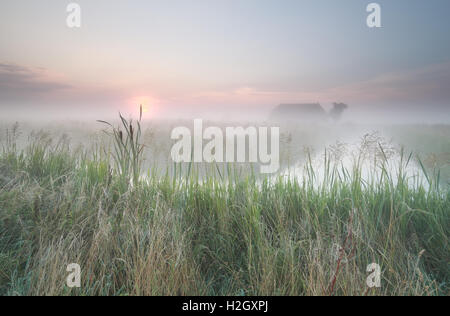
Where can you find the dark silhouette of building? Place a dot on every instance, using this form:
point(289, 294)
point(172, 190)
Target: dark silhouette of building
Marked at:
point(307, 112)
point(300, 111)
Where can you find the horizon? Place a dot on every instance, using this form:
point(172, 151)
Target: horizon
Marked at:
point(224, 152)
point(224, 59)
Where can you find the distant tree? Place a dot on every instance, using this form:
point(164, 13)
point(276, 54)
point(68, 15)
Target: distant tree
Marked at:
point(337, 110)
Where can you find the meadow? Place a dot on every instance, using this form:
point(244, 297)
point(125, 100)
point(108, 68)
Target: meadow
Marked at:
point(138, 224)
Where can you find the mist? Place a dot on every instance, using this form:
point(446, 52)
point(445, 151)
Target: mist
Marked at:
point(225, 148)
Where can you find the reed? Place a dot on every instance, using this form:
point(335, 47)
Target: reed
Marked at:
point(219, 235)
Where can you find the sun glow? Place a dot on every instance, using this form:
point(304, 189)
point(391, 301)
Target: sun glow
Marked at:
point(148, 104)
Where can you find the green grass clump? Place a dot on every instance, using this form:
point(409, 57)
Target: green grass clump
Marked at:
point(185, 235)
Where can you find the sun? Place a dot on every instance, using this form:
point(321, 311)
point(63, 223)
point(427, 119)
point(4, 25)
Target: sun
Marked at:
point(145, 107)
point(148, 104)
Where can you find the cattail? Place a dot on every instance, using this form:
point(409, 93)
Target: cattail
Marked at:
point(121, 135)
point(131, 131)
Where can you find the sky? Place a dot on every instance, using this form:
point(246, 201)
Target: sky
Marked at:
point(223, 56)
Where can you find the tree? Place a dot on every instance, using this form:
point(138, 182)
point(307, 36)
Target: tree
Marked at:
point(337, 110)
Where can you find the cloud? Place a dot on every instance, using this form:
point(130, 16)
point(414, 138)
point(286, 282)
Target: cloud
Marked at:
point(23, 83)
point(42, 89)
point(426, 84)
point(35, 88)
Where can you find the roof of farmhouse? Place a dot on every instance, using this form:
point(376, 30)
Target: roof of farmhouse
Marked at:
point(304, 109)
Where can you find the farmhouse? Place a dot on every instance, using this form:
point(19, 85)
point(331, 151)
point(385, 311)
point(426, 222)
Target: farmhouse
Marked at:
point(307, 112)
point(300, 111)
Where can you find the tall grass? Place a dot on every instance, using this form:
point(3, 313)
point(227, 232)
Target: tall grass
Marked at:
point(127, 154)
point(161, 235)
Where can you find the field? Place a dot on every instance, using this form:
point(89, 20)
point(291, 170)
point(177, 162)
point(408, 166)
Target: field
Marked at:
point(346, 196)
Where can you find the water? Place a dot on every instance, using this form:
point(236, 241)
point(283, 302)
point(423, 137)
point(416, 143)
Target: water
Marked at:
point(372, 158)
